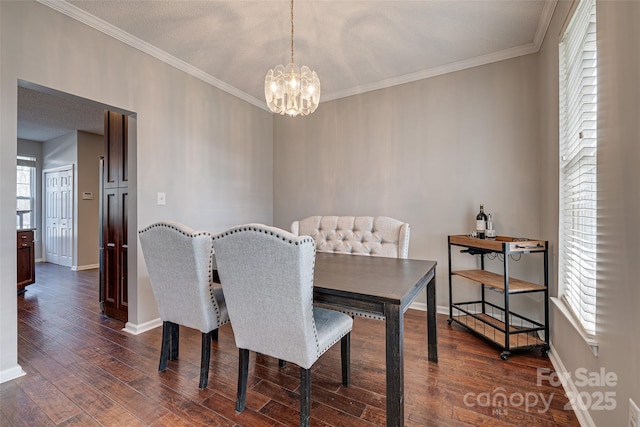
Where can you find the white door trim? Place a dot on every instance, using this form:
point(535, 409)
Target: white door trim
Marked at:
point(68, 259)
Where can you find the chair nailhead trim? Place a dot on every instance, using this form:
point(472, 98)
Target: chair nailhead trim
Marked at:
point(303, 239)
point(298, 241)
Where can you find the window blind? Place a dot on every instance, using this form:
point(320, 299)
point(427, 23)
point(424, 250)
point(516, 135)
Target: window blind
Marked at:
point(578, 179)
point(26, 161)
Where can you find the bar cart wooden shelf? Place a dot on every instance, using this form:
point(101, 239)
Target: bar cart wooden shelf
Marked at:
point(496, 323)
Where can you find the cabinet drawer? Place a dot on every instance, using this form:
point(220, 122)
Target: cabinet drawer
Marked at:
point(25, 237)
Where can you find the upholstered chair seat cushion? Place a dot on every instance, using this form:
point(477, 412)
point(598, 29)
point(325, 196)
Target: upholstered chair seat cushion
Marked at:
point(330, 325)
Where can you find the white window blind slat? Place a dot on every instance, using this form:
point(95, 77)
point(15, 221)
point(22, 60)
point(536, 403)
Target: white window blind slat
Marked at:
point(578, 154)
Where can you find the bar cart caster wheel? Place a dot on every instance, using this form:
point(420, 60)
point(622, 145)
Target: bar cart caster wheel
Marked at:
point(449, 321)
point(545, 350)
point(505, 355)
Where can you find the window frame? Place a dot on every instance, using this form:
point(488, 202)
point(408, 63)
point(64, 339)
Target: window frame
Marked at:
point(29, 162)
point(577, 213)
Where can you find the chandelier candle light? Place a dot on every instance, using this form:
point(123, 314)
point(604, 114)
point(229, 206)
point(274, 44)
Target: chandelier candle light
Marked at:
point(292, 90)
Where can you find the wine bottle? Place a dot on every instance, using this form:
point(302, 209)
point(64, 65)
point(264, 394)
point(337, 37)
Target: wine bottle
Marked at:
point(490, 232)
point(481, 223)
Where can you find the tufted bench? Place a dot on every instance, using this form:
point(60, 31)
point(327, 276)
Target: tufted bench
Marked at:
point(358, 235)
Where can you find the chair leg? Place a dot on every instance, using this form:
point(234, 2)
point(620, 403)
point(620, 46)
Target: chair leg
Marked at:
point(175, 341)
point(214, 334)
point(204, 359)
point(345, 352)
point(165, 346)
point(305, 397)
point(243, 374)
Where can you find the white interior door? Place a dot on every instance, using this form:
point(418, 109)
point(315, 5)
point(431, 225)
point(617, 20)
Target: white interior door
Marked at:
point(65, 225)
point(52, 202)
point(58, 242)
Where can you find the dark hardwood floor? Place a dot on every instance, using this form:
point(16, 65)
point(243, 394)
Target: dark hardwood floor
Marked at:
point(83, 370)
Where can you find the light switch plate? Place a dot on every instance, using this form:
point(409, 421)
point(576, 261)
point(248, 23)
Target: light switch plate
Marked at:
point(162, 199)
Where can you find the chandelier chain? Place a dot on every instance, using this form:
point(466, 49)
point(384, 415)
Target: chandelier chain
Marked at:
point(292, 32)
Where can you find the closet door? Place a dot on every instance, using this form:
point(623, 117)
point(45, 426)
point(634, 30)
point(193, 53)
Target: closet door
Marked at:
point(115, 193)
point(114, 253)
point(51, 219)
point(65, 225)
point(58, 235)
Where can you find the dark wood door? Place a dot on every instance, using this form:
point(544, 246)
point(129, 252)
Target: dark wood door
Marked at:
point(114, 218)
point(116, 163)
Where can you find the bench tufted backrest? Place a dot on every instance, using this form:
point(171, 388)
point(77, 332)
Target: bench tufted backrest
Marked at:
point(360, 235)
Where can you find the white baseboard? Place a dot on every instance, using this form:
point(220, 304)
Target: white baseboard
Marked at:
point(85, 267)
point(422, 306)
point(584, 418)
point(134, 329)
point(11, 374)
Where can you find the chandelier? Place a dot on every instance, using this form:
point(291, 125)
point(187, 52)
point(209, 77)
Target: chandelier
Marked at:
point(292, 90)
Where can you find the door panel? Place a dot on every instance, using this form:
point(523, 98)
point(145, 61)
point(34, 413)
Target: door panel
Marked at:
point(51, 218)
point(116, 146)
point(58, 236)
point(124, 247)
point(114, 217)
point(65, 226)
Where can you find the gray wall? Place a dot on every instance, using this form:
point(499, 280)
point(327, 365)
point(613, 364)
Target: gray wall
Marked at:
point(61, 151)
point(618, 303)
point(210, 152)
point(428, 153)
point(90, 148)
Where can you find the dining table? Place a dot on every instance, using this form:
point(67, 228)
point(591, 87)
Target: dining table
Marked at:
point(382, 287)
point(385, 288)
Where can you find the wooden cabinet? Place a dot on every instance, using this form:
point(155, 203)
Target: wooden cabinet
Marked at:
point(115, 193)
point(26, 260)
point(497, 323)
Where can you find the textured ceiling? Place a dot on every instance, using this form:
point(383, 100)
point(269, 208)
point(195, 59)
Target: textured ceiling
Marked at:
point(43, 116)
point(354, 46)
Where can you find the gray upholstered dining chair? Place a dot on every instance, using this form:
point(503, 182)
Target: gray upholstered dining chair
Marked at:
point(267, 277)
point(357, 235)
point(180, 265)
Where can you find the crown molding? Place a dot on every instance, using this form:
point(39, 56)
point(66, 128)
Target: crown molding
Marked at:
point(437, 71)
point(118, 34)
point(543, 25)
point(544, 22)
point(80, 15)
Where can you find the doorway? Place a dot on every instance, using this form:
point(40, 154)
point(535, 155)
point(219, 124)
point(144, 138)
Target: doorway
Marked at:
point(65, 190)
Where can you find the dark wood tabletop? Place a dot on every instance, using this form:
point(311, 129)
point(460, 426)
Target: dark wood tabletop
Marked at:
point(375, 278)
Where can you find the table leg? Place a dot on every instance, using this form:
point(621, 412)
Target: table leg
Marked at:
point(395, 365)
point(432, 329)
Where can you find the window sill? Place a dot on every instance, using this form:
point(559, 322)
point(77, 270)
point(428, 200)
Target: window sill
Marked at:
point(590, 341)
